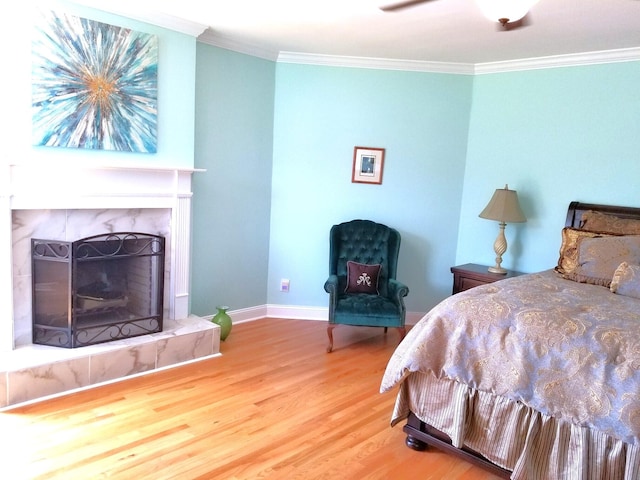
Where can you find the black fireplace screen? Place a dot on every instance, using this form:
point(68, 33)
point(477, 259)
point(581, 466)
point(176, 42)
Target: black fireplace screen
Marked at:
point(97, 289)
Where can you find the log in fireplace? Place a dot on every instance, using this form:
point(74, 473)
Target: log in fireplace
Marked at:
point(97, 289)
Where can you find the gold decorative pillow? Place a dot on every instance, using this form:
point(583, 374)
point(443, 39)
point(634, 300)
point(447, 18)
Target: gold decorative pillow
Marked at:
point(598, 258)
point(568, 260)
point(626, 280)
point(602, 222)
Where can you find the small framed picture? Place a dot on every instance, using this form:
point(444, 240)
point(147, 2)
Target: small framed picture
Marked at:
point(367, 165)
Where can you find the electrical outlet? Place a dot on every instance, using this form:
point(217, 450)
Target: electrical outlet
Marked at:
point(284, 285)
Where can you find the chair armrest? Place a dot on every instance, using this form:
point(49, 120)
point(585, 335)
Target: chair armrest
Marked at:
point(331, 285)
point(397, 290)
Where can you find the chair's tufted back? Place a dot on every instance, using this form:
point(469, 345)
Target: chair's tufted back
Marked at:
point(364, 241)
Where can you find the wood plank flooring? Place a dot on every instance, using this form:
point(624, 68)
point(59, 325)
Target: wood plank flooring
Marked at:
point(275, 405)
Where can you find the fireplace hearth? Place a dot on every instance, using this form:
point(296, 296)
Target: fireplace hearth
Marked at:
point(97, 289)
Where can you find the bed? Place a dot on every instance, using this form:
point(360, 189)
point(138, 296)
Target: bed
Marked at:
point(535, 376)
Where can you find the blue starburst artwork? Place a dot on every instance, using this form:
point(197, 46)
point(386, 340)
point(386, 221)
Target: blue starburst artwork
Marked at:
point(94, 85)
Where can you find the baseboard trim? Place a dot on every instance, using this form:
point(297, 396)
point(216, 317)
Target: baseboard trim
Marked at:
point(294, 312)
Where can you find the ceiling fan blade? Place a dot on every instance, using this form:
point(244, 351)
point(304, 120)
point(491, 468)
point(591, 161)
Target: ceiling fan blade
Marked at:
point(400, 5)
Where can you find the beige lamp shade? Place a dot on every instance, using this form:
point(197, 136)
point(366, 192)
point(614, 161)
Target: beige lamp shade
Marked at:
point(504, 207)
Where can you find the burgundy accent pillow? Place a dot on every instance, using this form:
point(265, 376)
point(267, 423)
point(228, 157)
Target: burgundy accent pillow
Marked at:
point(362, 278)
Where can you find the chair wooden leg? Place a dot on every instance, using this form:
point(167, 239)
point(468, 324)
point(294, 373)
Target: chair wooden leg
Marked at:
point(385, 329)
point(330, 335)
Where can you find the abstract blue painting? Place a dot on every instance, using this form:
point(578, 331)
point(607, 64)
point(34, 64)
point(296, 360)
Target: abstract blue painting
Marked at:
point(94, 85)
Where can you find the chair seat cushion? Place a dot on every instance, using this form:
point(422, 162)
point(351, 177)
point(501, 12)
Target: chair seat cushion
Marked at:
point(367, 309)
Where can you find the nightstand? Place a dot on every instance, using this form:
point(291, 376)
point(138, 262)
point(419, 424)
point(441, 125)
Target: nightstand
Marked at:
point(472, 275)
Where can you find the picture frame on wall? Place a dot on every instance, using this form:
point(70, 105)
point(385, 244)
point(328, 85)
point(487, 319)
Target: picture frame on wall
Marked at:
point(368, 165)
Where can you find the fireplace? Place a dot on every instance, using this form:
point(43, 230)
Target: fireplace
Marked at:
point(67, 201)
point(46, 202)
point(97, 289)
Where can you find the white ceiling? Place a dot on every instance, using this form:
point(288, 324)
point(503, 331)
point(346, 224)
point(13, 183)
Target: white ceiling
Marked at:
point(451, 31)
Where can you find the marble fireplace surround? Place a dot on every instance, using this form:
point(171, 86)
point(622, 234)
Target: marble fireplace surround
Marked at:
point(50, 202)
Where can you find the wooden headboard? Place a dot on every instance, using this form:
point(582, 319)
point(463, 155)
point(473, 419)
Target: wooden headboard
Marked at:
point(576, 209)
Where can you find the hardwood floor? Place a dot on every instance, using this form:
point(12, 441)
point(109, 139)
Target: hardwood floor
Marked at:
point(275, 405)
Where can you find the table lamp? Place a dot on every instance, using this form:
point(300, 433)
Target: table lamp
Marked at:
point(504, 208)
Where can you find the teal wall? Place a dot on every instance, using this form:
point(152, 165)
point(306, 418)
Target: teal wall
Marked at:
point(554, 135)
point(231, 203)
point(321, 114)
point(176, 94)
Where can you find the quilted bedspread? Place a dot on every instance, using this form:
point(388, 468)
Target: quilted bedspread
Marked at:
point(566, 349)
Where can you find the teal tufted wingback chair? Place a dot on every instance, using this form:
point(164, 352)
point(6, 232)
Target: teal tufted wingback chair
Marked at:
point(370, 243)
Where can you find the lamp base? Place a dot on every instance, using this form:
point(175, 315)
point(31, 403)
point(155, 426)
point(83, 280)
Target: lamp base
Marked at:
point(499, 246)
point(497, 269)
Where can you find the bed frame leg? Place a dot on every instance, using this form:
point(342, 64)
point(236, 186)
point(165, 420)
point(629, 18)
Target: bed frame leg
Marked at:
point(414, 444)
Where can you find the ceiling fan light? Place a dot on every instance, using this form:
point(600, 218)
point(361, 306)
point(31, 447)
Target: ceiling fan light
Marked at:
point(499, 10)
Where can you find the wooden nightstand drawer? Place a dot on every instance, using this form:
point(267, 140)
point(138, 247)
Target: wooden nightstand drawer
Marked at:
point(473, 275)
point(467, 283)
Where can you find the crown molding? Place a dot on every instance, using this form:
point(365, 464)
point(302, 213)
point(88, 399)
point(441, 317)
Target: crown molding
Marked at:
point(376, 63)
point(129, 9)
point(556, 61)
point(193, 29)
point(210, 37)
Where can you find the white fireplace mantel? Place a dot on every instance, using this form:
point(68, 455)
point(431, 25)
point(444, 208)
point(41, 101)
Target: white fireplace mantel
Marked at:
point(70, 186)
point(75, 185)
